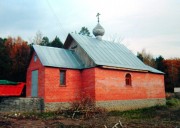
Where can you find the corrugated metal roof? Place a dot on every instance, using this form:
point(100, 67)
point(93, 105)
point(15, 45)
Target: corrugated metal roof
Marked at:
point(106, 53)
point(57, 57)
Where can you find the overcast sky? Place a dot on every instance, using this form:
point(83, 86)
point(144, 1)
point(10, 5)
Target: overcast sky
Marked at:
point(150, 24)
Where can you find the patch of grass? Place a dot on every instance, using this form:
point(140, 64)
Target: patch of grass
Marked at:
point(144, 113)
point(46, 115)
point(173, 102)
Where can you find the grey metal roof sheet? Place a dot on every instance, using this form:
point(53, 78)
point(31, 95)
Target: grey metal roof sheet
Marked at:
point(107, 53)
point(57, 57)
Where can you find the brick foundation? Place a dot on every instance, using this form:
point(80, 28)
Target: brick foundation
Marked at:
point(122, 105)
point(17, 104)
point(54, 106)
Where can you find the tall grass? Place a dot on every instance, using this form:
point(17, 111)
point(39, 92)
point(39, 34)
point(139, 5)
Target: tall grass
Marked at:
point(173, 102)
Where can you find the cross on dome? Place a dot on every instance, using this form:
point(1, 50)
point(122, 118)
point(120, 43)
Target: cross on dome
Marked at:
point(98, 14)
point(98, 31)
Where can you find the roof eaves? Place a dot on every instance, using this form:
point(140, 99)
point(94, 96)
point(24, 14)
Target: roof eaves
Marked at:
point(122, 68)
point(153, 70)
point(131, 69)
point(39, 57)
point(64, 67)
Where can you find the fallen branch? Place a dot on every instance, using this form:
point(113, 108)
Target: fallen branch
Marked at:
point(116, 125)
point(120, 124)
point(105, 126)
point(77, 111)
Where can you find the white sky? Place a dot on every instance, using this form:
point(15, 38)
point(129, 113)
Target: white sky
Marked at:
point(150, 24)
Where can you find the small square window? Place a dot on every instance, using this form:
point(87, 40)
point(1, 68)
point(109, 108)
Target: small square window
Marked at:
point(62, 77)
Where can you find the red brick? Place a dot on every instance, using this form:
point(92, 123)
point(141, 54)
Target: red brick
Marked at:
point(35, 66)
point(98, 83)
point(56, 93)
point(110, 85)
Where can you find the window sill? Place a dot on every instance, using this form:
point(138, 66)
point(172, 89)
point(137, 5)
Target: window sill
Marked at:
point(62, 85)
point(129, 86)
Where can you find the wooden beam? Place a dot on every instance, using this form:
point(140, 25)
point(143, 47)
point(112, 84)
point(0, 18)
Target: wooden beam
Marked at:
point(126, 69)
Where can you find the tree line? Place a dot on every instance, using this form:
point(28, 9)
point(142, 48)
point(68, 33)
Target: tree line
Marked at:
point(15, 55)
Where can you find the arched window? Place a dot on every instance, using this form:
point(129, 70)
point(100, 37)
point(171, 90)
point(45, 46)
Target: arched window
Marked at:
point(128, 79)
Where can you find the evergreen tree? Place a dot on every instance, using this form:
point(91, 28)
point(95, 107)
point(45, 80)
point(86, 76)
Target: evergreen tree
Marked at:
point(5, 61)
point(139, 55)
point(159, 63)
point(45, 41)
point(56, 43)
point(84, 31)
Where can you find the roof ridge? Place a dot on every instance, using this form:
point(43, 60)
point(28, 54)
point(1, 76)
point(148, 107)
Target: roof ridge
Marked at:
point(113, 54)
point(100, 41)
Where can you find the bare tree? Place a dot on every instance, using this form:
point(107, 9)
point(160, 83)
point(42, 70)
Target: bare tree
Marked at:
point(37, 38)
point(115, 38)
point(147, 58)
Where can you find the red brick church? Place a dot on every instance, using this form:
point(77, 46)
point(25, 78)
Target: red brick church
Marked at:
point(107, 72)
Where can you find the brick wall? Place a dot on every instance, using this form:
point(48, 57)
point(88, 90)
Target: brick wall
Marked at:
point(88, 82)
point(54, 92)
point(35, 65)
point(110, 85)
point(49, 83)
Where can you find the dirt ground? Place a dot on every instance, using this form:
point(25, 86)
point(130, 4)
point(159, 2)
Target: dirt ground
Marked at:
point(159, 118)
point(167, 116)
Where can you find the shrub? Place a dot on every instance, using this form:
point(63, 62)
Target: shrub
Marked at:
point(84, 108)
point(173, 102)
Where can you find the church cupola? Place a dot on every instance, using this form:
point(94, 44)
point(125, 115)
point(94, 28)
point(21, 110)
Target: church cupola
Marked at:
point(98, 31)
